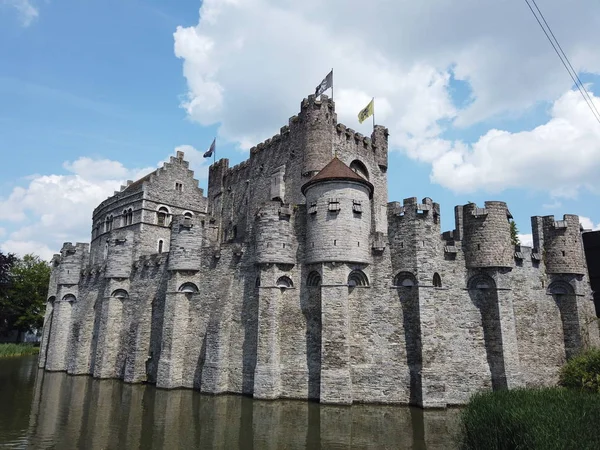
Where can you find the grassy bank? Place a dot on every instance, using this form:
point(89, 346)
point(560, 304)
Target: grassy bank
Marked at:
point(553, 418)
point(7, 350)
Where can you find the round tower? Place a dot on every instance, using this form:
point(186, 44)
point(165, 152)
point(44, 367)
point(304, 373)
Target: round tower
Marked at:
point(486, 238)
point(186, 241)
point(338, 225)
point(317, 119)
point(72, 259)
point(274, 232)
point(563, 248)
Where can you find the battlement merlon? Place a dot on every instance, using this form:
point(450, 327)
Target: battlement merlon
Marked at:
point(427, 209)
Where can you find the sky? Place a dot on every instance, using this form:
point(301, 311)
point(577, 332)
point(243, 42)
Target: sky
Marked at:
point(478, 105)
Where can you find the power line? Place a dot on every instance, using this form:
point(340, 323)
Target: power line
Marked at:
point(566, 58)
point(565, 61)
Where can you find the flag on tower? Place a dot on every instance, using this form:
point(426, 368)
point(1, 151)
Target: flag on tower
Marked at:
point(367, 111)
point(210, 151)
point(325, 84)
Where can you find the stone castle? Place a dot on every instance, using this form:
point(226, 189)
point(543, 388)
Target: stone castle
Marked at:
point(295, 278)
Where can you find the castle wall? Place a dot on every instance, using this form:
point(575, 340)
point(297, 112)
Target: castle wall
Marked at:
point(253, 293)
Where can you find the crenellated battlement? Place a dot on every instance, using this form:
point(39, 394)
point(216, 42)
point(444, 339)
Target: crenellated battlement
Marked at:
point(560, 243)
point(427, 210)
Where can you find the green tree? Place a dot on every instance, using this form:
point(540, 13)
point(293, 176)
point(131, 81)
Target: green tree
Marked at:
point(22, 306)
point(514, 233)
point(6, 264)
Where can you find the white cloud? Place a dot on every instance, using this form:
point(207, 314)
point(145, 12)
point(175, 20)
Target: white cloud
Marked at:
point(22, 248)
point(53, 209)
point(561, 156)
point(249, 63)
point(588, 224)
point(526, 239)
point(27, 12)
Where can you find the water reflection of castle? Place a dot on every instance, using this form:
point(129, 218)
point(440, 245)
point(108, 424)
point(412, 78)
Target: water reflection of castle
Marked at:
point(80, 412)
point(295, 278)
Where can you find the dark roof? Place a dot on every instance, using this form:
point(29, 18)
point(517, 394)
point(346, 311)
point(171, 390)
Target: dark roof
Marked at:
point(140, 181)
point(338, 171)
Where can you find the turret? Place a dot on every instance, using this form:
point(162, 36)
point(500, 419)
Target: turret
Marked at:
point(119, 255)
point(414, 230)
point(380, 145)
point(339, 215)
point(561, 243)
point(317, 119)
point(72, 260)
point(486, 236)
point(274, 234)
point(186, 241)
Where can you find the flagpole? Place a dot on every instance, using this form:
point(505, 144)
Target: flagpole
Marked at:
point(215, 150)
point(373, 100)
point(332, 84)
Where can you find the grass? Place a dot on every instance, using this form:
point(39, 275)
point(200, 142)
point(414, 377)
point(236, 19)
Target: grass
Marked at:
point(552, 418)
point(7, 350)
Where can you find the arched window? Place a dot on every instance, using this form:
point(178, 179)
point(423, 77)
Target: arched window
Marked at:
point(69, 298)
point(481, 282)
point(405, 279)
point(129, 217)
point(188, 214)
point(51, 299)
point(160, 246)
point(560, 288)
point(125, 218)
point(162, 216)
point(121, 294)
point(313, 279)
point(257, 282)
point(357, 278)
point(106, 250)
point(188, 288)
point(359, 168)
point(437, 280)
point(284, 282)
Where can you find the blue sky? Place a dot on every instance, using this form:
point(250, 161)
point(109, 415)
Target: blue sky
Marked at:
point(95, 92)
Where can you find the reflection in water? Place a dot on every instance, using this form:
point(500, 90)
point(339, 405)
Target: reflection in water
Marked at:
point(81, 412)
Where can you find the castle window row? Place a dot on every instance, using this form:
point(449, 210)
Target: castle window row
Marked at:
point(334, 206)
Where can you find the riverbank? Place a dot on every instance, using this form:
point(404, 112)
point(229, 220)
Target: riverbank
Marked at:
point(9, 350)
point(551, 418)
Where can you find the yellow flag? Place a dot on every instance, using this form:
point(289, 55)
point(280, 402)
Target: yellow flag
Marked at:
point(366, 112)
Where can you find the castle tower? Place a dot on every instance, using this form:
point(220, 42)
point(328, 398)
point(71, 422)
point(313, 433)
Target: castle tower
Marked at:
point(185, 245)
point(317, 119)
point(274, 232)
point(59, 348)
point(417, 255)
point(338, 204)
point(338, 230)
point(561, 243)
point(486, 236)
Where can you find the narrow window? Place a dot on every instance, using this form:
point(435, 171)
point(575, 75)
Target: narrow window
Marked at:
point(437, 280)
point(160, 246)
point(179, 187)
point(563, 253)
point(162, 215)
point(334, 242)
point(478, 247)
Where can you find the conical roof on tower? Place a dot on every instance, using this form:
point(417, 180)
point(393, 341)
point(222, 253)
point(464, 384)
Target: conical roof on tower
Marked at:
point(336, 170)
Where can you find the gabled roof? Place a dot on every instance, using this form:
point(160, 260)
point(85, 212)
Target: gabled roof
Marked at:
point(336, 170)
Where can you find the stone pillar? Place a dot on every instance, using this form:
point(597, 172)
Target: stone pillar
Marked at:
point(510, 347)
point(109, 338)
point(433, 383)
point(267, 375)
point(56, 359)
point(175, 328)
point(48, 316)
point(336, 382)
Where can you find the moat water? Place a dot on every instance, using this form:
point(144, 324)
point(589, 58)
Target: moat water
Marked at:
point(43, 410)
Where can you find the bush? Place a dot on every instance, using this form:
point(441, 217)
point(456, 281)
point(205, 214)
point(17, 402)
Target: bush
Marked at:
point(582, 371)
point(18, 350)
point(553, 418)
